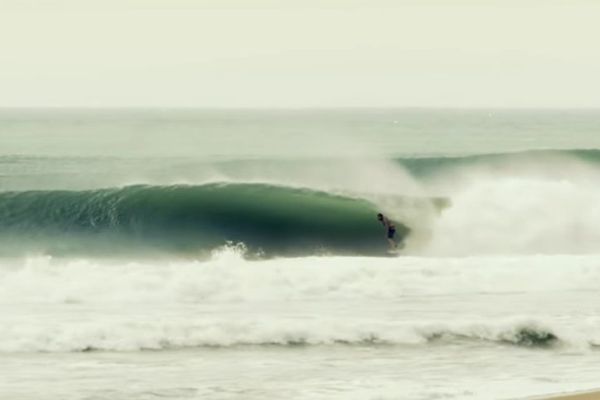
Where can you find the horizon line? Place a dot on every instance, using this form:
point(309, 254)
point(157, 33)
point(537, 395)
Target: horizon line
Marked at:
point(299, 108)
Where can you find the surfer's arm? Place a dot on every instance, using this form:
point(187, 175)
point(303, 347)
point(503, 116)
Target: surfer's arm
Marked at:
point(387, 223)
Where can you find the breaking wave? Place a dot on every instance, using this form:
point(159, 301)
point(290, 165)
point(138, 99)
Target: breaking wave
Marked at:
point(532, 202)
point(161, 335)
point(231, 301)
point(273, 220)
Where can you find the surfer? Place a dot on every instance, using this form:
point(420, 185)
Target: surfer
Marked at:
point(390, 228)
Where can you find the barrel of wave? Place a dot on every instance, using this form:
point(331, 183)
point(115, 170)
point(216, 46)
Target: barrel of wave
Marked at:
point(270, 220)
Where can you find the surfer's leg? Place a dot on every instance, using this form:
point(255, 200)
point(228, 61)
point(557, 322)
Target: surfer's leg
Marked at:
point(390, 236)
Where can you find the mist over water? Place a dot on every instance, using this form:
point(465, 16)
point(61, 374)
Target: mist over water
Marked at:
point(246, 239)
point(285, 134)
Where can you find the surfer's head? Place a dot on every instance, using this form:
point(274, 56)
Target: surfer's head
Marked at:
point(380, 216)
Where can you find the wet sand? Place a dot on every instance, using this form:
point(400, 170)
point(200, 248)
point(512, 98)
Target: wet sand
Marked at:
point(595, 395)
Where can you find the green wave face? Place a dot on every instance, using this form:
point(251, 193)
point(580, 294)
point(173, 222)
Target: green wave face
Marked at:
point(268, 219)
point(425, 166)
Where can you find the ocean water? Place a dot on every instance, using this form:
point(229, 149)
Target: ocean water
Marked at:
point(235, 254)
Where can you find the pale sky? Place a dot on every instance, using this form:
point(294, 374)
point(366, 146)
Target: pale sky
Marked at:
point(287, 53)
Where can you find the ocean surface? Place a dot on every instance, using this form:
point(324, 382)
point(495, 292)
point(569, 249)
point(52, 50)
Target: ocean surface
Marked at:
point(235, 254)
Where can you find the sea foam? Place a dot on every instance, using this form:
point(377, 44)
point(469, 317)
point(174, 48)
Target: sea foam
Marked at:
point(89, 304)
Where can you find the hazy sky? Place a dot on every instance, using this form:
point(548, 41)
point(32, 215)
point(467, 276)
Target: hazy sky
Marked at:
point(287, 53)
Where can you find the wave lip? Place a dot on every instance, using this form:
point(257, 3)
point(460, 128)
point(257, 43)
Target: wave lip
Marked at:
point(527, 334)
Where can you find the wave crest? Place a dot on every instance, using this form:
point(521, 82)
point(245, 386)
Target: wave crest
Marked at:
point(134, 336)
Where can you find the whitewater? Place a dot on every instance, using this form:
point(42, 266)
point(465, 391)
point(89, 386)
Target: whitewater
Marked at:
point(223, 255)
